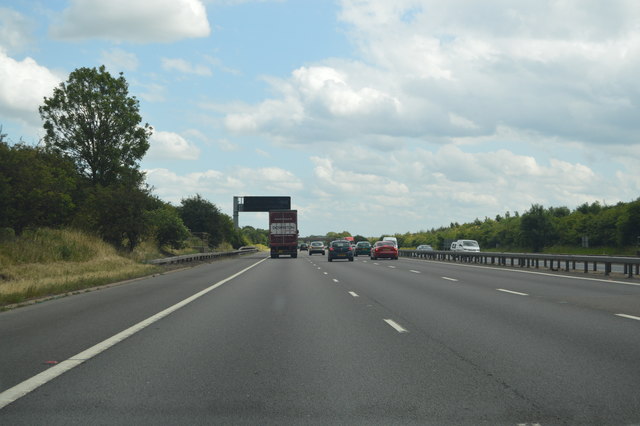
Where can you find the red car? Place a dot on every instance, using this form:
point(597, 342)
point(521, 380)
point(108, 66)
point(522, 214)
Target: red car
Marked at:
point(384, 249)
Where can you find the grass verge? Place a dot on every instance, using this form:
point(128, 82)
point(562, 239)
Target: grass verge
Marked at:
point(48, 262)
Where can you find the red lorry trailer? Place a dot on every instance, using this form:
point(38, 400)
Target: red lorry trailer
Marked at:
point(283, 232)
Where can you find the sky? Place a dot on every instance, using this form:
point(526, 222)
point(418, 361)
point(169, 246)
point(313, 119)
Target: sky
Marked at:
point(375, 116)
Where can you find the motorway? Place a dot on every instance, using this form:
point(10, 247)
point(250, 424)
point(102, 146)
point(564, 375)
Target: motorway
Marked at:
point(305, 341)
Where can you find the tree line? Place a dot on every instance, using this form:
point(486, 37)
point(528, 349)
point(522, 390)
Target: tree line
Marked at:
point(616, 226)
point(85, 173)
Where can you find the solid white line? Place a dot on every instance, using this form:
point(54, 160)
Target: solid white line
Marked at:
point(628, 316)
point(395, 325)
point(353, 293)
point(415, 272)
point(512, 292)
point(18, 391)
point(335, 281)
point(449, 279)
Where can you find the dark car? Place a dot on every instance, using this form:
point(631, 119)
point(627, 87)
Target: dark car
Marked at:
point(316, 247)
point(363, 247)
point(384, 249)
point(304, 246)
point(340, 249)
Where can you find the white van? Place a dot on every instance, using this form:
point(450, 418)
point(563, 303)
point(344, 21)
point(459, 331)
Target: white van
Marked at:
point(394, 240)
point(465, 245)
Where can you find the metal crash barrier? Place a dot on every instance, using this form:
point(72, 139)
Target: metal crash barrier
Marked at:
point(629, 266)
point(200, 256)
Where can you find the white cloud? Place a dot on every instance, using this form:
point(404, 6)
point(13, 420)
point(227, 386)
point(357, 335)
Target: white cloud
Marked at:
point(143, 21)
point(210, 184)
point(118, 60)
point(14, 30)
point(152, 92)
point(171, 146)
point(220, 187)
point(186, 67)
point(269, 180)
point(438, 71)
point(23, 85)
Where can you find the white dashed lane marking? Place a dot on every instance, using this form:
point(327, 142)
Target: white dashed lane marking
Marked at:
point(511, 292)
point(396, 326)
point(628, 317)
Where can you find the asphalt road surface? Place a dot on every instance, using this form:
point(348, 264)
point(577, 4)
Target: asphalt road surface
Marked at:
point(304, 341)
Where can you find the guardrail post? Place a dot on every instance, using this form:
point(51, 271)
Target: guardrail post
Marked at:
point(628, 270)
point(607, 268)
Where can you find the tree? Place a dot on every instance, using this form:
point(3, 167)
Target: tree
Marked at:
point(536, 227)
point(36, 188)
point(116, 212)
point(200, 215)
point(167, 226)
point(92, 119)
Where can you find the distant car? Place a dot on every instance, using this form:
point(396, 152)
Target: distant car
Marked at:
point(465, 245)
point(304, 246)
point(424, 247)
point(340, 249)
point(363, 247)
point(394, 240)
point(384, 249)
point(316, 247)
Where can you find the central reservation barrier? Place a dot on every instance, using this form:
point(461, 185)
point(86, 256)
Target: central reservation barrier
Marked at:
point(629, 266)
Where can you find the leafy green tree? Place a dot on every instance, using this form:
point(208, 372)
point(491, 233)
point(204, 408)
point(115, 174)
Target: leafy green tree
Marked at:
point(36, 188)
point(166, 226)
point(116, 212)
point(200, 215)
point(628, 225)
point(535, 227)
point(92, 119)
point(255, 235)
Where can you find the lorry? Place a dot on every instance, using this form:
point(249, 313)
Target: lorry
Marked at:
point(283, 233)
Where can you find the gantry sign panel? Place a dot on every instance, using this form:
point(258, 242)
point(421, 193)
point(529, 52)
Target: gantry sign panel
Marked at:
point(258, 204)
point(264, 204)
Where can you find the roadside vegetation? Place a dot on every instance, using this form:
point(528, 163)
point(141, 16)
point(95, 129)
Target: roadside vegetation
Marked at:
point(588, 229)
point(47, 262)
point(75, 210)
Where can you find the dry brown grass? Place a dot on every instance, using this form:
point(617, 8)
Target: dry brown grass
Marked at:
point(48, 262)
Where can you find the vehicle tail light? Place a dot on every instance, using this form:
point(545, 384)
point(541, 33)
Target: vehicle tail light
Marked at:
point(330, 248)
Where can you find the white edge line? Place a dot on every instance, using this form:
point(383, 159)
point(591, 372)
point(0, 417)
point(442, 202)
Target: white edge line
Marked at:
point(354, 294)
point(396, 326)
point(628, 316)
point(18, 391)
point(512, 292)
